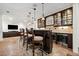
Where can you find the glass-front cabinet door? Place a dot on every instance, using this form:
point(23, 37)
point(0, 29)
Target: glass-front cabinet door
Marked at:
point(57, 19)
point(64, 17)
point(67, 17)
point(49, 21)
point(61, 18)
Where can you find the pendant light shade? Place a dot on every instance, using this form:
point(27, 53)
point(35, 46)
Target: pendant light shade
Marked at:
point(34, 14)
point(43, 11)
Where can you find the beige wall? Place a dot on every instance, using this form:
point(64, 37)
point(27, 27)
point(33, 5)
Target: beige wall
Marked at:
point(62, 29)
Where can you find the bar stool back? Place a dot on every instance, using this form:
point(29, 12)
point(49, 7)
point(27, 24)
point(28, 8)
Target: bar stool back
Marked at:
point(36, 40)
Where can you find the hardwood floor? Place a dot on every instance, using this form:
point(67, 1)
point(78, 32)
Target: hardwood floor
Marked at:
point(13, 47)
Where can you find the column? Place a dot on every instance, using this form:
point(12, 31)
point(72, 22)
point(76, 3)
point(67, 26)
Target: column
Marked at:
point(76, 27)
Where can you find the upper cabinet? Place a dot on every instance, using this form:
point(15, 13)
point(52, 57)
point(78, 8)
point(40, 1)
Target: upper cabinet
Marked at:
point(67, 17)
point(57, 19)
point(50, 21)
point(41, 23)
point(61, 18)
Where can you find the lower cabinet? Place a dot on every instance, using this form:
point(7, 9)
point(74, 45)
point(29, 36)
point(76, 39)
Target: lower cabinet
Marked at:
point(70, 41)
point(65, 39)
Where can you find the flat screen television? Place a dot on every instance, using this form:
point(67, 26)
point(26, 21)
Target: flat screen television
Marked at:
point(13, 27)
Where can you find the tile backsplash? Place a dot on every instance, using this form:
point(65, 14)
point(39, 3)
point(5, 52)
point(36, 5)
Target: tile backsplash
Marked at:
point(62, 29)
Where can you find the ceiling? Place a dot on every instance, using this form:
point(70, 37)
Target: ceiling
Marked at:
point(24, 11)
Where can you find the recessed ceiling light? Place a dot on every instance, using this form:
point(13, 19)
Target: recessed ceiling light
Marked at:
point(29, 12)
point(7, 11)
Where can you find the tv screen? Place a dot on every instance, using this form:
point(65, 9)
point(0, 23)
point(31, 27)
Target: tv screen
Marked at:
point(12, 26)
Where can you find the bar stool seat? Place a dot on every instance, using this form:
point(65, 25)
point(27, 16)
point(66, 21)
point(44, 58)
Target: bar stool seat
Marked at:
point(38, 38)
point(29, 35)
point(21, 33)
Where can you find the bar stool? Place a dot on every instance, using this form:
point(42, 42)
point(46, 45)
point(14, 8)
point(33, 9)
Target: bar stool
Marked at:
point(23, 36)
point(29, 38)
point(21, 33)
point(36, 40)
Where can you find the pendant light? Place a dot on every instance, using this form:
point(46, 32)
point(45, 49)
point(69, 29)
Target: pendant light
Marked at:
point(34, 14)
point(43, 11)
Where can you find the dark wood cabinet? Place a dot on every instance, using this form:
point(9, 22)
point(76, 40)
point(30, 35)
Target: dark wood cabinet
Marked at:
point(64, 38)
point(57, 19)
point(11, 34)
point(41, 23)
point(50, 20)
point(67, 16)
point(61, 18)
point(70, 41)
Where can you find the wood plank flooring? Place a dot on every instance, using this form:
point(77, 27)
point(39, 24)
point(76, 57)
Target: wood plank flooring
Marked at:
point(13, 47)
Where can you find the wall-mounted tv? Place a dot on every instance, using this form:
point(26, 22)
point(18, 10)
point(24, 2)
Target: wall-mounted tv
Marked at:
point(13, 27)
